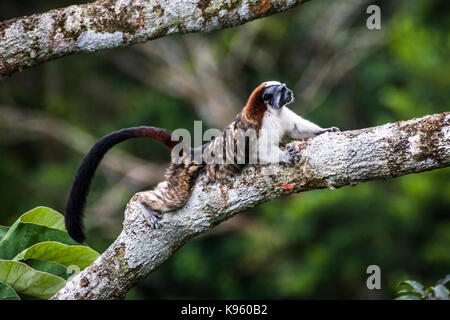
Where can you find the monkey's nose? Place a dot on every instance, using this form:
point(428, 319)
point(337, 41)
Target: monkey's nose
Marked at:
point(289, 95)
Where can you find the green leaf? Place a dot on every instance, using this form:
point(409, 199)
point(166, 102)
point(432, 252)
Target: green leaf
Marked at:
point(49, 267)
point(406, 297)
point(3, 231)
point(414, 285)
point(25, 280)
point(38, 225)
point(63, 254)
point(44, 216)
point(440, 292)
point(7, 293)
point(409, 293)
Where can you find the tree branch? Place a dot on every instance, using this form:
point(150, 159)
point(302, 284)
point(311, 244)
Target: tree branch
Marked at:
point(105, 24)
point(331, 160)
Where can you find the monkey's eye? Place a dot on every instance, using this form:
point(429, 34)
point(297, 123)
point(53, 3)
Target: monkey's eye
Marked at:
point(267, 96)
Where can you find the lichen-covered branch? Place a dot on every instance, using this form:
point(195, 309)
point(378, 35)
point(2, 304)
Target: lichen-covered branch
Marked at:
point(104, 24)
point(331, 160)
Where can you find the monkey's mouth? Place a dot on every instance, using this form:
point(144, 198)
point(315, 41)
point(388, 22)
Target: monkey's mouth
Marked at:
point(287, 94)
point(289, 97)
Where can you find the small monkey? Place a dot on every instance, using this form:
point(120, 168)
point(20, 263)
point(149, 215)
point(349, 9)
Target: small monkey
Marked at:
point(265, 114)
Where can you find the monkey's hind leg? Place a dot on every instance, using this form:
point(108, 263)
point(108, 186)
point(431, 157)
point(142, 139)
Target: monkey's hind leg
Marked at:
point(151, 216)
point(160, 200)
point(154, 205)
point(169, 195)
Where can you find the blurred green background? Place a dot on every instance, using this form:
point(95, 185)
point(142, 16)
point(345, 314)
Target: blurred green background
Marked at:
point(311, 245)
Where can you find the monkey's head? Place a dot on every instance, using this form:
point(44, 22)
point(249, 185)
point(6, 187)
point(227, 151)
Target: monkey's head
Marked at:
point(270, 95)
point(276, 95)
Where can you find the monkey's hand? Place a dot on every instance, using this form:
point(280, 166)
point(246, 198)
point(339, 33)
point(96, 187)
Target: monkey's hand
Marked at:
point(332, 129)
point(289, 156)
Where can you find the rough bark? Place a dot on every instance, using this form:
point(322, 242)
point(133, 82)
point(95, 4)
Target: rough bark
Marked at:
point(331, 160)
point(105, 24)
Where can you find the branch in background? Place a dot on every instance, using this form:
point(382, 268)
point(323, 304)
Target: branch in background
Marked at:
point(321, 76)
point(134, 169)
point(331, 160)
point(337, 50)
point(104, 213)
point(105, 24)
point(163, 66)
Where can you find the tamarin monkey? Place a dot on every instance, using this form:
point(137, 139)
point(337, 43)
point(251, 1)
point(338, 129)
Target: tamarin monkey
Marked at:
point(265, 113)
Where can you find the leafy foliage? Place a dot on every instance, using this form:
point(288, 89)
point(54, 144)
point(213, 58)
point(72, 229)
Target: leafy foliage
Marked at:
point(413, 290)
point(37, 255)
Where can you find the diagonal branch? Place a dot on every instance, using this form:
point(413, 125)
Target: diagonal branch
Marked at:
point(331, 160)
point(105, 24)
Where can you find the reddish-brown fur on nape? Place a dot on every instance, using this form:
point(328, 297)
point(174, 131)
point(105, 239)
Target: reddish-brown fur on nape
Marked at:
point(255, 108)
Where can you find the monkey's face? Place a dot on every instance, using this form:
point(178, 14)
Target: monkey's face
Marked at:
point(276, 95)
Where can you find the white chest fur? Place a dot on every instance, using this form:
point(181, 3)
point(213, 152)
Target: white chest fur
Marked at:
point(272, 128)
point(278, 123)
point(270, 135)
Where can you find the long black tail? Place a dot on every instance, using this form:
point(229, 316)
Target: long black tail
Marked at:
point(85, 173)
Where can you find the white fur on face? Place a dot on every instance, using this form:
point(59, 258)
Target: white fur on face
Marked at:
point(272, 83)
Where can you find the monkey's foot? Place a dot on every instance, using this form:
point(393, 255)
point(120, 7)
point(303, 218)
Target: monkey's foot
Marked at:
point(153, 218)
point(150, 215)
